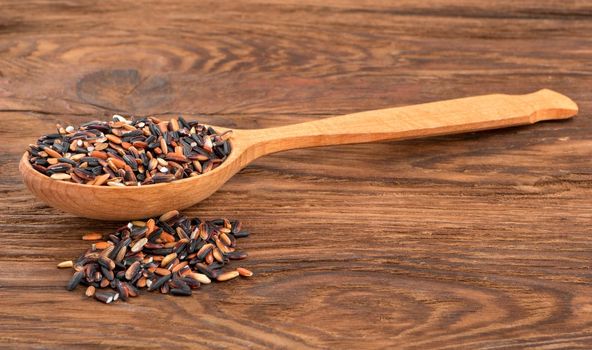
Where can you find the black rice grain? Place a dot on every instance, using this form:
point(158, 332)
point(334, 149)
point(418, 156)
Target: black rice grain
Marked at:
point(171, 254)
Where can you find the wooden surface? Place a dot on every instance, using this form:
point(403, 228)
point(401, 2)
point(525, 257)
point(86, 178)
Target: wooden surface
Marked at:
point(480, 240)
point(475, 113)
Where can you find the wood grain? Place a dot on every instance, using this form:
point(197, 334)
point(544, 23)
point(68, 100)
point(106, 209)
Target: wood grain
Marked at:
point(478, 240)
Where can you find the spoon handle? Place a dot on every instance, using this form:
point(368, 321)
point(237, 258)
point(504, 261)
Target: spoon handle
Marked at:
point(429, 119)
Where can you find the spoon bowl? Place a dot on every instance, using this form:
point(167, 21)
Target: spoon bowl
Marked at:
point(429, 119)
point(132, 202)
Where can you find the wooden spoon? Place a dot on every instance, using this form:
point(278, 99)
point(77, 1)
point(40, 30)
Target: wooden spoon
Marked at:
point(429, 119)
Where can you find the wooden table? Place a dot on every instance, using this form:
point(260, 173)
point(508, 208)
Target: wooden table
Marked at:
point(480, 240)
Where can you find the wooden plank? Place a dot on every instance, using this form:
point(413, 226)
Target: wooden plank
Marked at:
point(479, 240)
